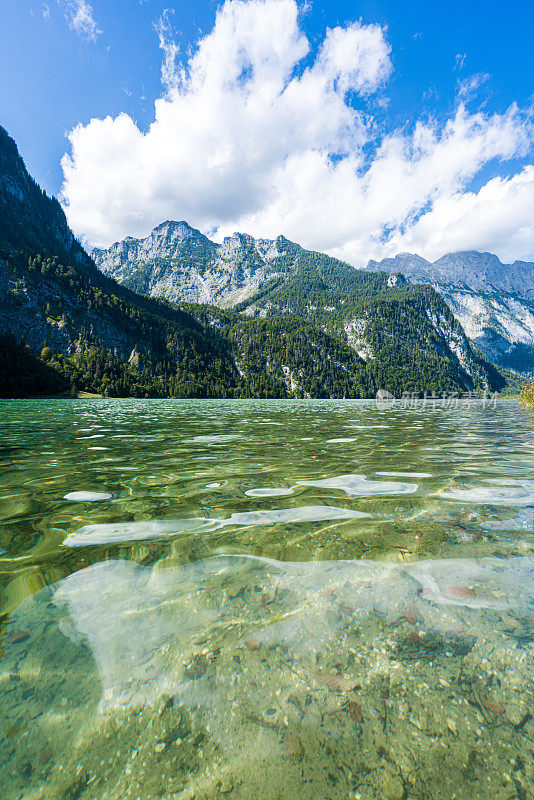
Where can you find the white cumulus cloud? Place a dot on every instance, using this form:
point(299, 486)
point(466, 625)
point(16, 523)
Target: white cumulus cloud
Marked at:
point(254, 134)
point(498, 219)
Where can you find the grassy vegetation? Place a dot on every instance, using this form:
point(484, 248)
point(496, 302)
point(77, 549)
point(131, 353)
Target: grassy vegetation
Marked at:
point(527, 396)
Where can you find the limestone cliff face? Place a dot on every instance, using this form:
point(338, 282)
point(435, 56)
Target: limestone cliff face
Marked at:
point(179, 263)
point(494, 302)
point(36, 310)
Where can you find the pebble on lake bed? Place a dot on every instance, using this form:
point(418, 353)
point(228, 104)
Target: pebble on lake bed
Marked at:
point(355, 711)
point(335, 682)
point(463, 592)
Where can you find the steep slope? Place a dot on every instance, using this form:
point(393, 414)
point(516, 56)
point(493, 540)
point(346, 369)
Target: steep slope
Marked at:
point(286, 356)
point(405, 333)
point(494, 302)
point(31, 222)
point(86, 328)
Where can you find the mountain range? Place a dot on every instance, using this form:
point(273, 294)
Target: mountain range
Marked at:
point(179, 263)
point(493, 302)
point(295, 323)
point(262, 277)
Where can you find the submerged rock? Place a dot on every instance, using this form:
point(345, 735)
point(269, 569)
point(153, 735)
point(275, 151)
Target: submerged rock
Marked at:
point(392, 787)
point(14, 637)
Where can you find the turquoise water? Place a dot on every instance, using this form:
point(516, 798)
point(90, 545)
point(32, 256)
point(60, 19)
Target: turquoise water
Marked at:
point(266, 599)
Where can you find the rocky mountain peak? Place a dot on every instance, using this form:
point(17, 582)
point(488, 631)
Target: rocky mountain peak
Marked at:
point(236, 241)
point(177, 230)
point(399, 262)
point(470, 258)
point(177, 261)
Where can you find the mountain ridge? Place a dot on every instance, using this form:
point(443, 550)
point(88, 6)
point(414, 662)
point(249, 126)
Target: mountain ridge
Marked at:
point(494, 302)
point(264, 278)
point(459, 265)
point(224, 272)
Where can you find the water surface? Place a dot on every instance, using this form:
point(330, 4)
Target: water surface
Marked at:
point(266, 599)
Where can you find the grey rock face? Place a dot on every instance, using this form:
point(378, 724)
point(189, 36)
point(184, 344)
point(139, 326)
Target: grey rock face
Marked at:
point(493, 302)
point(24, 315)
point(179, 263)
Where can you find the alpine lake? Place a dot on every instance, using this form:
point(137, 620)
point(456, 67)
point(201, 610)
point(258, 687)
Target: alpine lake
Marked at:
point(261, 600)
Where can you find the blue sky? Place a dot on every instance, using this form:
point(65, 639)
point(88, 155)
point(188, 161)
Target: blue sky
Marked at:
point(66, 62)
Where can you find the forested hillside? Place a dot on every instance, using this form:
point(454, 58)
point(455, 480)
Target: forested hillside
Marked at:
point(406, 333)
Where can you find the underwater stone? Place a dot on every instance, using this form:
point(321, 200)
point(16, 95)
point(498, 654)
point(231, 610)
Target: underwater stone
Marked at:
point(393, 788)
point(14, 637)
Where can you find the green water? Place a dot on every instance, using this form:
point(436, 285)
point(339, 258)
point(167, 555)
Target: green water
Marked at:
point(266, 600)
